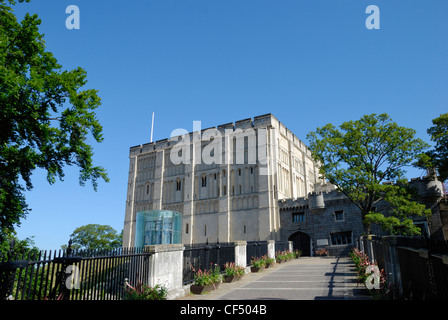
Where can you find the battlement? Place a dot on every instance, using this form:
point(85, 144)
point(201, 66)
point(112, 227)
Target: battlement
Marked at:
point(262, 121)
point(324, 194)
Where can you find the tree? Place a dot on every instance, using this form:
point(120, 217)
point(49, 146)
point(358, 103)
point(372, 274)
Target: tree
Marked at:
point(364, 154)
point(95, 236)
point(19, 249)
point(439, 155)
point(45, 118)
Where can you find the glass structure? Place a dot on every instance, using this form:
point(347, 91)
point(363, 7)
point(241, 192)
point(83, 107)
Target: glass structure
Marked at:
point(158, 227)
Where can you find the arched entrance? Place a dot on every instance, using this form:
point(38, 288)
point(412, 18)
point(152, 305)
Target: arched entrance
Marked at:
point(301, 241)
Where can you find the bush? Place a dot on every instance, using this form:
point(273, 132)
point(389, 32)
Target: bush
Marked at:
point(268, 260)
point(284, 255)
point(231, 269)
point(297, 253)
point(257, 262)
point(361, 261)
point(144, 292)
point(202, 278)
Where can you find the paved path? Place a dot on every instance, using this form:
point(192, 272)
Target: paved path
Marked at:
point(306, 278)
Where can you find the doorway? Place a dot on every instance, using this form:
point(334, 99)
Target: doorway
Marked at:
point(301, 241)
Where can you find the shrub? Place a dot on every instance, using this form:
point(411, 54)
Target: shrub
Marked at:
point(257, 262)
point(361, 261)
point(284, 255)
point(231, 269)
point(297, 253)
point(322, 252)
point(202, 278)
point(145, 292)
point(268, 260)
point(215, 274)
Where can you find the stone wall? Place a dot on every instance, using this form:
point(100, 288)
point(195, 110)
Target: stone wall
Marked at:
point(227, 200)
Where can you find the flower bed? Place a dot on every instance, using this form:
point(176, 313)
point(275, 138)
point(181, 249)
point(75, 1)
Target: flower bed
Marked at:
point(283, 256)
point(232, 272)
point(362, 263)
point(205, 281)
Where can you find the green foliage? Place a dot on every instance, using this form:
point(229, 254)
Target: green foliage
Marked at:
point(145, 292)
point(215, 274)
point(231, 269)
point(11, 245)
point(257, 262)
point(95, 236)
point(438, 157)
point(202, 278)
point(362, 261)
point(361, 155)
point(46, 117)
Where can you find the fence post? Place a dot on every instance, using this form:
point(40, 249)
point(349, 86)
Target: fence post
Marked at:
point(392, 264)
point(271, 249)
point(166, 268)
point(371, 251)
point(240, 253)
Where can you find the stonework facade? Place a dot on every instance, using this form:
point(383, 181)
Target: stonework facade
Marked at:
point(226, 181)
point(327, 219)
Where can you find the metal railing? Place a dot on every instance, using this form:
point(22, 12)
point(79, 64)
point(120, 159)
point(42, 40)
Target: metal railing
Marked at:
point(417, 267)
point(255, 249)
point(205, 256)
point(72, 274)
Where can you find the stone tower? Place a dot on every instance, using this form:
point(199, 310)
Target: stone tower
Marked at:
point(226, 180)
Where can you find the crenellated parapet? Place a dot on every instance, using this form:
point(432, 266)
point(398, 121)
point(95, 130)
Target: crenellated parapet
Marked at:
point(258, 122)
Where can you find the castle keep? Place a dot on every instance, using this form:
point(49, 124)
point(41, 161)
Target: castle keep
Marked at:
point(225, 181)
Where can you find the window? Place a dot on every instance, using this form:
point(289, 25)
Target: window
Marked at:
point(147, 189)
point(204, 181)
point(298, 217)
point(339, 215)
point(251, 170)
point(186, 228)
point(341, 238)
point(178, 185)
point(239, 172)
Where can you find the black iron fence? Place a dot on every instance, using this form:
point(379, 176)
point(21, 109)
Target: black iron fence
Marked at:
point(281, 246)
point(417, 268)
point(205, 256)
point(102, 274)
point(255, 249)
point(72, 274)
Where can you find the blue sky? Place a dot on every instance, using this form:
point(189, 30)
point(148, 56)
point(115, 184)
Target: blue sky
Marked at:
point(309, 62)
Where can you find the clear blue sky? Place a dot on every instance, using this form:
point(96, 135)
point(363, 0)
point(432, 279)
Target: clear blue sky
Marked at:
point(309, 62)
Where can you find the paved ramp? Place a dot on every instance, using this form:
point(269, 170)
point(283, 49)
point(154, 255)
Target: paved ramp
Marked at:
point(306, 278)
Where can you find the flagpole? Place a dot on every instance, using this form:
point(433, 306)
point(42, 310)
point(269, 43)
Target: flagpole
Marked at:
point(152, 125)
